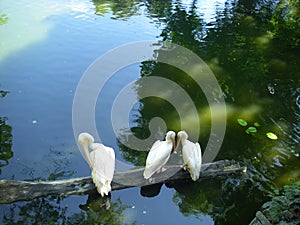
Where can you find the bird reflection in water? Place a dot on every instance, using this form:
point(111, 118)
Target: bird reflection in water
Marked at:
point(96, 202)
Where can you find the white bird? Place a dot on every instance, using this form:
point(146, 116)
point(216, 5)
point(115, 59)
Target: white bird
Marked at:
point(191, 153)
point(101, 160)
point(159, 154)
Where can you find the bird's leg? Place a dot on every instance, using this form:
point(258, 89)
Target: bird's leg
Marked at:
point(161, 170)
point(183, 166)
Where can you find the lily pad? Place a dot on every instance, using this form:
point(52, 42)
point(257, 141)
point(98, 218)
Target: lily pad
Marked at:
point(256, 124)
point(272, 136)
point(242, 122)
point(251, 130)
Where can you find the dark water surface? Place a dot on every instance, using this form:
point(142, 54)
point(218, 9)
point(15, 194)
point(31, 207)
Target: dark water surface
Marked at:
point(253, 49)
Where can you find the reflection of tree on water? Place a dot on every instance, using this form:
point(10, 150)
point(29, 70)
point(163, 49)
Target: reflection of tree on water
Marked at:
point(101, 210)
point(248, 45)
point(5, 138)
point(38, 211)
point(184, 27)
point(5, 142)
point(222, 199)
point(251, 44)
point(251, 48)
point(3, 19)
point(119, 9)
point(50, 210)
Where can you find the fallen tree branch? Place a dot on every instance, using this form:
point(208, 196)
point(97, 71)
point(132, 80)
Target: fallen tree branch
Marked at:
point(13, 191)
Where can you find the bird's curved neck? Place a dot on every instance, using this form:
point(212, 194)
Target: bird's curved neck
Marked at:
point(169, 140)
point(86, 153)
point(183, 140)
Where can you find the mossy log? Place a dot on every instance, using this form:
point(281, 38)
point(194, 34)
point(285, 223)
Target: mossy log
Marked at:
point(13, 190)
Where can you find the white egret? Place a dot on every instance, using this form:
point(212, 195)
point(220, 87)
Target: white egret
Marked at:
point(191, 153)
point(101, 160)
point(159, 154)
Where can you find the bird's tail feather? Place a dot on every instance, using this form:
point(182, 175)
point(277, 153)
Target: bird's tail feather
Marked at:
point(102, 184)
point(147, 174)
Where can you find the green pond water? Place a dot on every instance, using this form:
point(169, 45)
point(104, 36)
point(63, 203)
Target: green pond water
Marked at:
point(252, 48)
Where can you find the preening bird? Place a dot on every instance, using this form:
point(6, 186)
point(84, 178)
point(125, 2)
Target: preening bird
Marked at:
point(191, 153)
point(101, 160)
point(159, 154)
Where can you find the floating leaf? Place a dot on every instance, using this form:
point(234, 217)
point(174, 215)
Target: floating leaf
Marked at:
point(272, 136)
point(256, 124)
point(242, 122)
point(3, 93)
point(251, 130)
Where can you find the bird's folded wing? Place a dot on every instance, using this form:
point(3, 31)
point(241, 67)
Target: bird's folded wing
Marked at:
point(103, 159)
point(157, 157)
point(199, 156)
point(156, 145)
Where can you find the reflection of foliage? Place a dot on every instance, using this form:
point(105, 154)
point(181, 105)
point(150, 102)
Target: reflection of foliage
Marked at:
point(286, 22)
point(137, 158)
point(101, 211)
point(5, 138)
point(253, 52)
point(237, 40)
point(5, 142)
point(3, 19)
point(49, 211)
point(193, 201)
point(151, 107)
point(38, 211)
point(249, 44)
point(220, 198)
point(159, 10)
point(184, 28)
point(120, 9)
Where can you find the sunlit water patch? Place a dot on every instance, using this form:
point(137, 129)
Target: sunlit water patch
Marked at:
point(25, 25)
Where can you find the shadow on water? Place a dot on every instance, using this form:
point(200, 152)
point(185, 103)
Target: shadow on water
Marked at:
point(253, 49)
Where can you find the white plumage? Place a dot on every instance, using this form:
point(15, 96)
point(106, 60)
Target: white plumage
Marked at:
point(191, 153)
point(159, 154)
point(101, 160)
